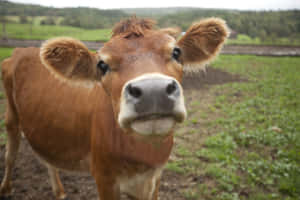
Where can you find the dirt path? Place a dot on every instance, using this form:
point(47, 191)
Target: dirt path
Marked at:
point(261, 50)
point(30, 178)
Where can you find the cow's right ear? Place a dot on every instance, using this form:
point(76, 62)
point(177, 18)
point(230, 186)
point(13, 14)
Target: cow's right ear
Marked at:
point(70, 58)
point(202, 42)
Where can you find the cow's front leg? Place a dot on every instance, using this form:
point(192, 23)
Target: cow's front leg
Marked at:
point(108, 188)
point(156, 190)
point(57, 186)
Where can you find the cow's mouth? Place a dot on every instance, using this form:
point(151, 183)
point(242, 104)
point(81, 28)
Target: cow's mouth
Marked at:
point(153, 124)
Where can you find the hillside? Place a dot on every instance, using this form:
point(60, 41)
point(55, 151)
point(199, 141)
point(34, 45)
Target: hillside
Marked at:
point(265, 27)
point(264, 24)
point(80, 17)
point(156, 12)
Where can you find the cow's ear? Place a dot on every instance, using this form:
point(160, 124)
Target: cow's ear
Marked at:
point(69, 58)
point(202, 42)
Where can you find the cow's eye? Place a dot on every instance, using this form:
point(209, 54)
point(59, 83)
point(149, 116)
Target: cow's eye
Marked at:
point(103, 67)
point(176, 53)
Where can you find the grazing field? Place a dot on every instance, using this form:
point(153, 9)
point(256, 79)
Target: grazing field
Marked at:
point(43, 32)
point(39, 32)
point(243, 39)
point(241, 140)
point(5, 52)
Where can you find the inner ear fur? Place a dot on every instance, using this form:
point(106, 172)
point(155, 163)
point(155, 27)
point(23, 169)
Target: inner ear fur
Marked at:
point(203, 41)
point(69, 58)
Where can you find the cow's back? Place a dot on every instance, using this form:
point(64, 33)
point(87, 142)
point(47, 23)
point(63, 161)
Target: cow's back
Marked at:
point(54, 115)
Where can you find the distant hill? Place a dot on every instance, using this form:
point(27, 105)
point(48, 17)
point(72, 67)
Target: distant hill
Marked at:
point(156, 12)
point(80, 17)
point(266, 25)
point(263, 24)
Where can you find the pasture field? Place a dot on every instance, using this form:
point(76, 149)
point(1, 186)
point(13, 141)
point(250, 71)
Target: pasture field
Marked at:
point(241, 140)
point(36, 20)
point(5, 52)
point(243, 39)
point(42, 32)
point(39, 32)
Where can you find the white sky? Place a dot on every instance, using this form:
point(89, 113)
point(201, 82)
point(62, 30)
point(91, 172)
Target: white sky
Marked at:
point(230, 4)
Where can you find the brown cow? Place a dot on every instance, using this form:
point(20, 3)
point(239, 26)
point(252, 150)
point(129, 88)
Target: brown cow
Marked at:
point(110, 113)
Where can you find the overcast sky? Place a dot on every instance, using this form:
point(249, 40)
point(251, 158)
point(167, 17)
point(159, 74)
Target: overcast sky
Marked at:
point(230, 4)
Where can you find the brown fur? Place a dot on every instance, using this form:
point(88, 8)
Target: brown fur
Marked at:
point(203, 40)
point(70, 58)
point(132, 27)
point(73, 127)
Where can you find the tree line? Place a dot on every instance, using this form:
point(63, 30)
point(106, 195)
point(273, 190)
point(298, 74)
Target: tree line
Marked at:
point(90, 18)
point(262, 24)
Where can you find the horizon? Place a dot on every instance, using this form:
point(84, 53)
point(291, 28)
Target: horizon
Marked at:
point(287, 5)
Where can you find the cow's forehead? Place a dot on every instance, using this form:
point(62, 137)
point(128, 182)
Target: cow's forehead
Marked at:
point(154, 42)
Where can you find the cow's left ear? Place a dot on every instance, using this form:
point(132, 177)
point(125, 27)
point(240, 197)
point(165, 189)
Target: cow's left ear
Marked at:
point(202, 42)
point(69, 58)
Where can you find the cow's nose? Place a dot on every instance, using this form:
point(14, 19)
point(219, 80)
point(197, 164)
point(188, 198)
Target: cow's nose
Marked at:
point(153, 96)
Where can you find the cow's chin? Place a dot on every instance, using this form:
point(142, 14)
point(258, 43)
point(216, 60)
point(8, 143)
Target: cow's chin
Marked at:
point(153, 126)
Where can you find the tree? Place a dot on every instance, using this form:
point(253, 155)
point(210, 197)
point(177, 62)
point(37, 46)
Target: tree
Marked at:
point(31, 25)
point(23, 19)
point(3, 21)
point(262, 35)
point(48, 21)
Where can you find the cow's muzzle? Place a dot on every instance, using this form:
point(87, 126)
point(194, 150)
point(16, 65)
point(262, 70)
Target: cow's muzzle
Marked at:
point(151, 104)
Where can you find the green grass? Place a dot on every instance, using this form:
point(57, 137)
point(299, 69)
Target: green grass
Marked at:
point(22, 31)
point(39, 32)
point(36, 20)
point(245, 39)
point(266, 121)
point(5, 52)
point(252, 150)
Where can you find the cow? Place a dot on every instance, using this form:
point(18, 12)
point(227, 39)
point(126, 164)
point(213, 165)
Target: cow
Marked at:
point(110, 113)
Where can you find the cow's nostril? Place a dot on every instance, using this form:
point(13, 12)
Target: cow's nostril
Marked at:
point(171, 88)
point(134, 91)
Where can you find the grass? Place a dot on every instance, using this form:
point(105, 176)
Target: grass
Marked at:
point(42, 32)
point(243, 39)
point(252, 150)
point(5, 52)
point(22, 31)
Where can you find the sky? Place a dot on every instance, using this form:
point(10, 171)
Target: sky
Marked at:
point(227, 4)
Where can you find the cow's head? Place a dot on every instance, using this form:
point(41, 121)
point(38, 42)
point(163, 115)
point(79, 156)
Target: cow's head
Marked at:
point(140, 69)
